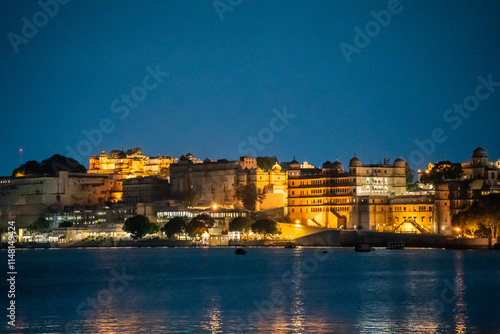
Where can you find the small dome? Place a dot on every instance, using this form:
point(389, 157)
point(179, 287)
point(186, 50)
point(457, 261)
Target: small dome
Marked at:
point(355, 162)
point(276, 168)
point(399, 163)
point(327, 164)
point(337, 165)
point(480, 153)
point(294, 163)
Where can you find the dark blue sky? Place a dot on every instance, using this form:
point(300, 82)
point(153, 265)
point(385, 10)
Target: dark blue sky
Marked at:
point(227, 76)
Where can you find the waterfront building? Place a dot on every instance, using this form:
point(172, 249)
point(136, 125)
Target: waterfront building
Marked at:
point(131, 164)
point(337, 198)
point(26, 199)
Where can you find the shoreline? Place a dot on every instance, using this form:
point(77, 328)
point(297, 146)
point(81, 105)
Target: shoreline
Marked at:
point(450, 243)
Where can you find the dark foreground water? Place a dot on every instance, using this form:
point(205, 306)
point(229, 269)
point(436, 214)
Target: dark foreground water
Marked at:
point(181, 290)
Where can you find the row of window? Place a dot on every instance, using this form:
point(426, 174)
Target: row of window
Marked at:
point(321, 209)
point(320, 201)
point(323, 191)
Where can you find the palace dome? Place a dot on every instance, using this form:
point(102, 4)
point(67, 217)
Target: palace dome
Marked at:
point(327, 164)
point(355, 162)
point(399, 163)
point(294, 163)
point(479, 153)
point(338, 165)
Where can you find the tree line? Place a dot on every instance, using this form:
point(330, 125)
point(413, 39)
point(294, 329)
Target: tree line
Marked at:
point(482, 218)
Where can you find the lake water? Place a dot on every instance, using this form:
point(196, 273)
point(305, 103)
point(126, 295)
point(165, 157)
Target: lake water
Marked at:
point(268, 290)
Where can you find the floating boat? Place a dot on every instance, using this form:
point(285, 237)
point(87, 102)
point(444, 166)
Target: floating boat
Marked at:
point(290, 245)
point(395, 245)
point(363, 248)
point(240, 251)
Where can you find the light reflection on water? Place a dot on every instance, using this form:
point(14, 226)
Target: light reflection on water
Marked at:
point(460, 308)
point(267, 290)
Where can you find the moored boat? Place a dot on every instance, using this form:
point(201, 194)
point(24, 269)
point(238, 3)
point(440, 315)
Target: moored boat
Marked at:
point(240, 251)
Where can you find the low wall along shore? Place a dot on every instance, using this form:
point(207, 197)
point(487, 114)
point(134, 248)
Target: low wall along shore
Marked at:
point(350, 238)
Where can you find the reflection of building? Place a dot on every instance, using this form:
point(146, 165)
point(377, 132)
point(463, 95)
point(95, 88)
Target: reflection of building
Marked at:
point(144, 189)
point(330, 196)
point(26, 199)
point(215, 182)
point(130, 164)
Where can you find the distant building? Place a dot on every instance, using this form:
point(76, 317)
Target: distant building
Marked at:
point(480, 177)
point(145, 190)
point(130, 164)
point(26, 199)
point(221, 216)
point(215, 182)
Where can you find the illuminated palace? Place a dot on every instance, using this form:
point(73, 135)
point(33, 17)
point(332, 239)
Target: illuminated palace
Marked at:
point(361, 197)
point(131, 164)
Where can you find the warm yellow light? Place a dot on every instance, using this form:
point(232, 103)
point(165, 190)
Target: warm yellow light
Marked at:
point(458, 230)
point(214, 206)
point(297, 222)
point(427, 171)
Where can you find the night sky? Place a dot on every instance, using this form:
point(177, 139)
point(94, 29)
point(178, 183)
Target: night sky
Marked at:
point(228, 78)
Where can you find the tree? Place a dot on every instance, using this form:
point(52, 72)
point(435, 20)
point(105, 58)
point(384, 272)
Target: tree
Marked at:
point(266, 163)
point(443, 170)
point(409, 174)
point(153, 228)
point(199, 225)
point(240, 224)
point(30, 168)
point(66, 224)
point(41, 225)
point(483, 213)
point(265, 226)
point(189, 198)
point(176, 225)
point(249, 195)
point(138, 226)
point(51, 167)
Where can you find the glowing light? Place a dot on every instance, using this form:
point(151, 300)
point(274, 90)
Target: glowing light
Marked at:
point(214, 206)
